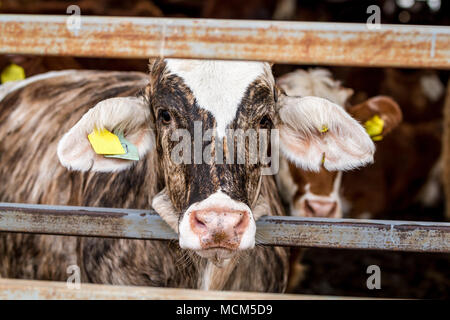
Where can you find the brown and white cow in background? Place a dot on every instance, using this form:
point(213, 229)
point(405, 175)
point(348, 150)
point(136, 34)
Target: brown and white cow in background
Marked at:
point(212, 206)
point(405, 171)
point(318, 193)
point(408, 167)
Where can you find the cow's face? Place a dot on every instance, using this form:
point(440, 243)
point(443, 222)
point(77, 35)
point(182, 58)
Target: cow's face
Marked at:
point(316, 194)
point(205, 107)
point(193, 116)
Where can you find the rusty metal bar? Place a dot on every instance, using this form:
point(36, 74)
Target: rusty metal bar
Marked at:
point(12, 289)
point(349, 44)
point(281, 231)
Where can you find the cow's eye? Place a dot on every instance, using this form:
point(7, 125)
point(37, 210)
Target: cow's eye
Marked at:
point(165, 117)
point(265, 122)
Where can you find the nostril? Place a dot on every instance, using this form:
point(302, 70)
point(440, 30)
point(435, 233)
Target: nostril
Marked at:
point(309, 208)
point(333, 209)
point(241, 221)
point(199, 222)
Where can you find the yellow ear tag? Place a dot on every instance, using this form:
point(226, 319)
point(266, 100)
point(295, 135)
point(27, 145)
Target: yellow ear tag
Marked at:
point(377, 138)
point(13, 72)
point(374, 127)
point(324, 128)
point(105, 142)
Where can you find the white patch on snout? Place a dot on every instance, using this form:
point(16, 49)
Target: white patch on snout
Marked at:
point(332, 197)
point(190, 240)
point(219, 86)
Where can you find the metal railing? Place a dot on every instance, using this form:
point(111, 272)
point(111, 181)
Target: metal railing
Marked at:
point(32, 290)
point(277, 231)
point(350, 44)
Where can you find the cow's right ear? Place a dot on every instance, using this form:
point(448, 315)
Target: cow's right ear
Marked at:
point(129, 115)
point(315, 132)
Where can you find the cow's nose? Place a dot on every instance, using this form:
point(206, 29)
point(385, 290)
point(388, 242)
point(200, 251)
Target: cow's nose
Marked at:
point(321, 208)
point(219, 227)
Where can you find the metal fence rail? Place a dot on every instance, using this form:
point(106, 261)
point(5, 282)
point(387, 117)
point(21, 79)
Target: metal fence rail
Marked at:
point(282, 231)
point(38, 290)
point(276, 41)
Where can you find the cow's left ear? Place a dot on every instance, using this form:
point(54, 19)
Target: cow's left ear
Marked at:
point(315, 131)
point(128, 115)
point(382, 106)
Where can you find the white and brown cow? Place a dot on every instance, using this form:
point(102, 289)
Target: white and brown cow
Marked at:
point(212, 205)
point(406, 169)
point(318, 193)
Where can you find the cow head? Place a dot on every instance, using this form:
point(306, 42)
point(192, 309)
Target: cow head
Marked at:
point(191, 117)
point(317, 193)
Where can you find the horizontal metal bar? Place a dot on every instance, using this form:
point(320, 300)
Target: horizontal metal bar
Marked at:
point(12, 289)
point(277, 41)
point(281, 231)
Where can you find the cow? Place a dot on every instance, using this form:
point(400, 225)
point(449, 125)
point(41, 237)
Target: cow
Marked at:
point(318, 194)
point(406, 172)
point(406, 169)
point(212, 205)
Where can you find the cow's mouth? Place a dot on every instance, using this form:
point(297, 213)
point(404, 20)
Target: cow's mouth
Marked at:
point(216, 255)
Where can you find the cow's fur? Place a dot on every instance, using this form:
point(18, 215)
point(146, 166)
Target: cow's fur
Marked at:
point(403, 160)
point(304, 191)
point(318, 82)
point(32, 120)
point(178, 94)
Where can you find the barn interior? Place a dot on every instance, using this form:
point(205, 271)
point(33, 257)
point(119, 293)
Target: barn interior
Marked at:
point(416, 193)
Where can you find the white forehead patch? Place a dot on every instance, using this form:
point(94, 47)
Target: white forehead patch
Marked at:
point(218, 85)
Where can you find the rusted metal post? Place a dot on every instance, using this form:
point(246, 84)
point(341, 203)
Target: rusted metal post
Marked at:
point(349, 44)
point(277, 231)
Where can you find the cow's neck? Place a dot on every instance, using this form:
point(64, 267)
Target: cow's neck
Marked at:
point(213, 277)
